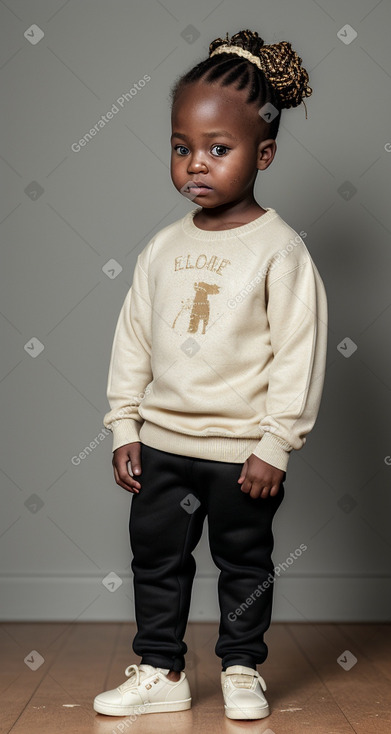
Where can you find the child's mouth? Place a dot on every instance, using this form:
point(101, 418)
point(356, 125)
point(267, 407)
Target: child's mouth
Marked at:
point(195, 190)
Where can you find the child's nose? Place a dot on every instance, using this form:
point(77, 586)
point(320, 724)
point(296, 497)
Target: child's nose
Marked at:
point(197, 162)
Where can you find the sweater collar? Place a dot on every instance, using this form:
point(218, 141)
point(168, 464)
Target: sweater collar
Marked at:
point(201, 234)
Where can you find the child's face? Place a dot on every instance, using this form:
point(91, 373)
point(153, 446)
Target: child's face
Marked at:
point(227, 161)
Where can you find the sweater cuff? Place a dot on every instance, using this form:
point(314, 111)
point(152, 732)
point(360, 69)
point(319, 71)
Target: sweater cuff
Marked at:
point(125, 431)
point(273, 450)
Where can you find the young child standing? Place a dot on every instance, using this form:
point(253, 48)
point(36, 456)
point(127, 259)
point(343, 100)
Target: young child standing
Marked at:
point(216, 374)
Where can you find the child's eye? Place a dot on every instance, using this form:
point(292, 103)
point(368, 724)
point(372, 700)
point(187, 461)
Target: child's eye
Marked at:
point(180, 146)
point(221, 147)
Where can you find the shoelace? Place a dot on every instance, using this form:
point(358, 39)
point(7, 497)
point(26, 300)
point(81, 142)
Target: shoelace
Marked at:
point(135, 676)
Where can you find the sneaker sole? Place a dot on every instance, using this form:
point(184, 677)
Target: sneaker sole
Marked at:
point(249, 713)
point(146, 708)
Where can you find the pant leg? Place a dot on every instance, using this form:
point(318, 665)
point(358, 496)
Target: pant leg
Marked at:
point(163, 534)
point(241, 543)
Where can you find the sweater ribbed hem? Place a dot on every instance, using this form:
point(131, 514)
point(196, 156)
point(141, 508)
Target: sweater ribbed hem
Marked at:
point(215, 448)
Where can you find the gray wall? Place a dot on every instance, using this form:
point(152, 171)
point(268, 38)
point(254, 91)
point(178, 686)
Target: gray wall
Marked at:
point(66, 214)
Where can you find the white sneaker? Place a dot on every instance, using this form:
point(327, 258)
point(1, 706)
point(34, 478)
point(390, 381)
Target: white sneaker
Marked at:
point(147, 690)
point(243, 693)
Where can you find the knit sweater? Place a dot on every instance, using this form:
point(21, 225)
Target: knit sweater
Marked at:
point(220, 346)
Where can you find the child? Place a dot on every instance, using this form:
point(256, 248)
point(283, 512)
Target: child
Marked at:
point(216, 374)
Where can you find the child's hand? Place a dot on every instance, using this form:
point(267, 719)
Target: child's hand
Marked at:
point(121, 457)
point(260, 478)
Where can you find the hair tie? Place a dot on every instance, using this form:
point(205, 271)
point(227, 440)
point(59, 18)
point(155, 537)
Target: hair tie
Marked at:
point(262, 62)
point(226, 48)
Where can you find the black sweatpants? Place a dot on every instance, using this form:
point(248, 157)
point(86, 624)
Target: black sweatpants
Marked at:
point(165, 525)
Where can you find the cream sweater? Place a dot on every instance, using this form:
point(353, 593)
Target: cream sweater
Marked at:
point(220, 346)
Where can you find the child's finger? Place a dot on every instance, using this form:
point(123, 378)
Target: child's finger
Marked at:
point(274, 490)
point(134, 467)
point(243, 472)
point(124, 480)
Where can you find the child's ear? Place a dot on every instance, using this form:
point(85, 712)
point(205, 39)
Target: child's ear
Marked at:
point(265, 153)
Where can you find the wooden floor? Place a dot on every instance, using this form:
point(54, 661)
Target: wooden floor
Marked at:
point(308, 690)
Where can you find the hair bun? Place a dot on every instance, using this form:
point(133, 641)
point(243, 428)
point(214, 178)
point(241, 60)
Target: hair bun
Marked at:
point(285, 73)
point(282, 65)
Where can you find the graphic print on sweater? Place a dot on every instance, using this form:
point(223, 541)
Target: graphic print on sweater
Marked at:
point(194, 312)
point(199, 307)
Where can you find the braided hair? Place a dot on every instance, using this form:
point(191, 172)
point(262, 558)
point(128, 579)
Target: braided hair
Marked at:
point(285, 85)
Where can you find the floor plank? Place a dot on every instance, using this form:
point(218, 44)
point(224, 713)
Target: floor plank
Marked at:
point(372, 641)
point(18, 681)
point(308, 690)
point(60, 690)
point(361, 691)
point(298, 698)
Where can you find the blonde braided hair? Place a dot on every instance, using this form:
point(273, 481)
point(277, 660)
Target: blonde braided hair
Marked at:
point(279, 62)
